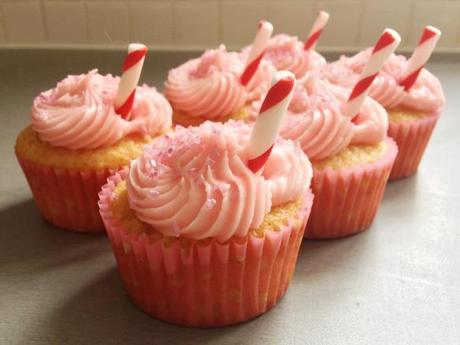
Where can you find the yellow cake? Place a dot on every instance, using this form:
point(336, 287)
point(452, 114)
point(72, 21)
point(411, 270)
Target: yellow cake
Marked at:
point(354, 155)
point(179, 118)
point(30, 147)
point(121, 211)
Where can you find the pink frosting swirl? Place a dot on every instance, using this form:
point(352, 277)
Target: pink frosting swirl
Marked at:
point(426, 94)
point(79, 113)
point(210, 86)
point(315, 119)
point(195, 183)
point(286, 53)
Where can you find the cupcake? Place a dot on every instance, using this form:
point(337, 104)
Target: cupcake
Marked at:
point(200, 240)
point(76, 141)
point(287, 52)
point(351, 157)
point(219, 85)
point(205, 234)
point(414, 102)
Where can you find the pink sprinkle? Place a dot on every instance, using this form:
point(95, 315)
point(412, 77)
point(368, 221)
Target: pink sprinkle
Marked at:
point(43, 116)
point(192, 173)
point(210, 203)
point(199, 180)
point(152, 164)
point(214, 155)
point(153, 194)
point(175, 228)
point(223, 187)
point(153, 173)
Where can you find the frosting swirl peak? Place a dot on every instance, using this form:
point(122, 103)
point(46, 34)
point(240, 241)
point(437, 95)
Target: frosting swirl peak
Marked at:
point(288, 53)
point(425, 95)
point(209, 86)
point(79, 113)
point(316, 121)
point(195, 183)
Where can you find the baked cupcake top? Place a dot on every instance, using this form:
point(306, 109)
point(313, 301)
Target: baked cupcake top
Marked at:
point(287, 53)
point(316, 120)
point(79, 113)
point(210, 86)
point(195, 182)
point(425, 95)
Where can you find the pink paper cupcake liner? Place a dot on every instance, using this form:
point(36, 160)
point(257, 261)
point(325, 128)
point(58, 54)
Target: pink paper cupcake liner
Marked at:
point(204, 283)
point(412, 137)
point(347, 200)
point(66, 198)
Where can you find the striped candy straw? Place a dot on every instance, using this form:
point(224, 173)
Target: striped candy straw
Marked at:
point(384, 47)
point(316, 31)
point(132, 67)
point(264, 32)
point(271, 114)
point(420, 56)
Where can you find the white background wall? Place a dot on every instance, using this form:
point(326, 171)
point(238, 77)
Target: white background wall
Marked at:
point(196, 24)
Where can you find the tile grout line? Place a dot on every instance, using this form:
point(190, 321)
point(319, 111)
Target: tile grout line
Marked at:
point(2, 16)
point(44, 20)
point(130, 28)
point(85, 13)
point(407, 44)
point(172, 5)
point(361, 21)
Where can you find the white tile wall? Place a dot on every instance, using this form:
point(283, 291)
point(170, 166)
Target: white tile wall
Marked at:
point(196, 24)
point(344, 26)
point(107, 22)
point(379, 15)
point(24, 21)
point(294, 17)
point(151, 22)
point(65, 22)
point(2, 27)
point(237, 31)
point(442, 14)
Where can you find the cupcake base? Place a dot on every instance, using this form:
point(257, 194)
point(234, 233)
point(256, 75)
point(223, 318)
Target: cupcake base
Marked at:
point(66, 198)
point(65, 183)
point(412, 137)
point(204, 283)
point(347, 199)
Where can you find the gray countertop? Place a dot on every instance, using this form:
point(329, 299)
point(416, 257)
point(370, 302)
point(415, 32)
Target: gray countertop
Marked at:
point(398, 283)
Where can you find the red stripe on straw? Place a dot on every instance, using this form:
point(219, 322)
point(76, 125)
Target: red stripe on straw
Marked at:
point(312, 39)
point(385, 40)
point(426, 35)
point(276, 94)
point(251, 69)
point(410, 80)
point(257, 163)
point(362, 86)
point(126, 107)
point(133, 58)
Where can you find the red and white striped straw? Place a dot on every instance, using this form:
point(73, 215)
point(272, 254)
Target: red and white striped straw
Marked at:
point(420, 56)
point(316, 30)
point(132, 68)
point(259, 45)
point(271, 114)
point(384, 47)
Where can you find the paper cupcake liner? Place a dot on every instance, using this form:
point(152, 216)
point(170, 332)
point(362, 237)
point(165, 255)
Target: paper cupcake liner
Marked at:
point(66, 198)
point(412, 138)
point(204, 283)
point(347, 200)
